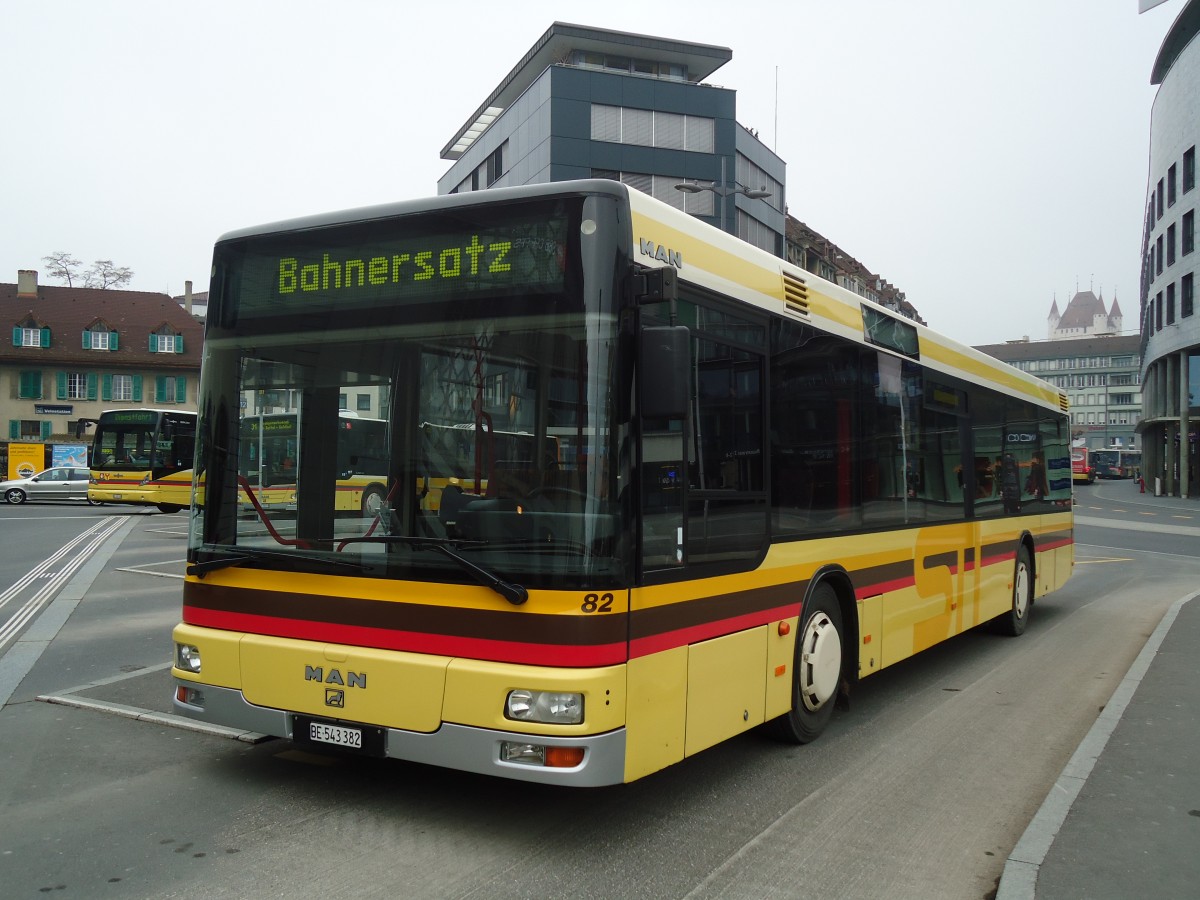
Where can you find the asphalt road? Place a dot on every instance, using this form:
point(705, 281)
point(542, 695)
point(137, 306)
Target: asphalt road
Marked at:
point(920, 790)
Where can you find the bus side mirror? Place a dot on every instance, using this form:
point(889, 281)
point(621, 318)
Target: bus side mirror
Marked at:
point(664, 369)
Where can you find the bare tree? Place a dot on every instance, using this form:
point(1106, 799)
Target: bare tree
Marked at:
point(103, 274)
point(62, 265)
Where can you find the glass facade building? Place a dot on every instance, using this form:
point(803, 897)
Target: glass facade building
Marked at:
point(1170, 328)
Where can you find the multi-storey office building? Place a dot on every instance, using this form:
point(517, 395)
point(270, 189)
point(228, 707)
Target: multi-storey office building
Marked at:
point(1100, 375)
point(1170, 326)
point(588, 102)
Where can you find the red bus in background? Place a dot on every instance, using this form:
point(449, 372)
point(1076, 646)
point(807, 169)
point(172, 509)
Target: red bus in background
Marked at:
point(1082, 468)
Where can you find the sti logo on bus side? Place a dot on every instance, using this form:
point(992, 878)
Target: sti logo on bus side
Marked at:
point(334, 676)
point(661, 253)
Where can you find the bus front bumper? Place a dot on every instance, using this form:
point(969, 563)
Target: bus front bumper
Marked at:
point(135, 496)
point(461, 747)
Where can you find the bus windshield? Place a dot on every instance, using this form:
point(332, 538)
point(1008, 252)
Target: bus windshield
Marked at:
point(144, 440)
point(379, 432)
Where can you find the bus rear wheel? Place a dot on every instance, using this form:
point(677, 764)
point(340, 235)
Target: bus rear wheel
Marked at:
point(817, 670)
point(1014, 622)
point(169, 508)
point(372, 502)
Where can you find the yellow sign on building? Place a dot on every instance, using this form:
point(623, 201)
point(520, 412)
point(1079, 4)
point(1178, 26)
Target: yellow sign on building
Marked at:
point(25, 459)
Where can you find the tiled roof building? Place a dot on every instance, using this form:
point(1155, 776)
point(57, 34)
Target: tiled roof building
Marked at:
point(68, 353)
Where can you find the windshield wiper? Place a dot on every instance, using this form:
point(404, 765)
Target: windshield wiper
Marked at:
point(512, 592)
point(201, 569)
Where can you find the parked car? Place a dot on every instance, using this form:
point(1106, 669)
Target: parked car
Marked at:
point(58, 483)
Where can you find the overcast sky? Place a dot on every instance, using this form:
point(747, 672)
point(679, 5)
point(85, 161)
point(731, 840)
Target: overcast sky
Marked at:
point(984, 157)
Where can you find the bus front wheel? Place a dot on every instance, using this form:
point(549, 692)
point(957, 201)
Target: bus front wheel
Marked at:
point(817, 670)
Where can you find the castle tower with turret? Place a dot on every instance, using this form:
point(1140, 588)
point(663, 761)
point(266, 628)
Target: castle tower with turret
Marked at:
point(1084, 316)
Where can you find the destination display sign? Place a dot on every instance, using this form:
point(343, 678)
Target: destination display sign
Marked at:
point(131, 417)
point(385, 263)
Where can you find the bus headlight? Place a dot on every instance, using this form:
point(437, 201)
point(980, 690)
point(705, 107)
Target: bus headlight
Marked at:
point(187, 658)
point(548, 707)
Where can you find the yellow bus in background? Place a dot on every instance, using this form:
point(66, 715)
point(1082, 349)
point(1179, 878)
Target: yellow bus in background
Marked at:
point(269, 451)
point(143, 457)
point(737, 490)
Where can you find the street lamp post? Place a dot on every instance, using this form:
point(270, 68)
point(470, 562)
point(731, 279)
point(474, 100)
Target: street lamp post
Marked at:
point(722, 190)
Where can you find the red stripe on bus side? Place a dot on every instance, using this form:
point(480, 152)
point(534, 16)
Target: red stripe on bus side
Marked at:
point(1054, 545)
point(1003, 556)
point(567, 656)
point(861, 592)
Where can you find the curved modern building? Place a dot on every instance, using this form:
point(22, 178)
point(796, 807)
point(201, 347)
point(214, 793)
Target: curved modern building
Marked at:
point(1169, 323)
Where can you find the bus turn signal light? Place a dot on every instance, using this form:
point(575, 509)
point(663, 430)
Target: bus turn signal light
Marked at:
point(563, 757)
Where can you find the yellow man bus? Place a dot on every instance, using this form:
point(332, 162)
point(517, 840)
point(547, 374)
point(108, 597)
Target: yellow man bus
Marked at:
point(143, 457)
point(743, 490)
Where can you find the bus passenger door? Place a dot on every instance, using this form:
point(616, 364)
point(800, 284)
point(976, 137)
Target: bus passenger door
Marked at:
point(704, 496)
point(695, 658)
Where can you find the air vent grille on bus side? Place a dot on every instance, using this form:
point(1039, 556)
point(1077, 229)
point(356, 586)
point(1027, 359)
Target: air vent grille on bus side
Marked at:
point(1062, 402)
point(795, 294)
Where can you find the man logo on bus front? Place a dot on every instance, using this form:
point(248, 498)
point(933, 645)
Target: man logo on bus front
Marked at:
point(335, 698)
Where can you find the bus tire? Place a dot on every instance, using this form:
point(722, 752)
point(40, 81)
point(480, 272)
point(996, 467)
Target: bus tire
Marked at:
point(1014, 622)
point(372, 502)
point(169, 508)
point(816, 672)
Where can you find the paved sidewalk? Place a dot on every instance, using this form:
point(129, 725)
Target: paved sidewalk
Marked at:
point(1123, 819)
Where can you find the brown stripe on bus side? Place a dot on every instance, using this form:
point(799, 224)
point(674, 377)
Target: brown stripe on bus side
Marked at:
point(498, 625)
point(892, 573)
point(1006, 547)
point(1056, 538)
point(949, 559)
point(703, 610)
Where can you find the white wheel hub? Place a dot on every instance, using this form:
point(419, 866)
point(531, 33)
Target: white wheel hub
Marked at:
point(820, 661)
point(1021, 592)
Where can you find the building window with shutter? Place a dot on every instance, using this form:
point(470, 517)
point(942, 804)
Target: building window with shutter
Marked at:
point(170, 389)
point(77, 387)
point(99, 336)
point(28, 429)
point(122, 387)
point(29, 385)
point(165, 339)
point(30, 333)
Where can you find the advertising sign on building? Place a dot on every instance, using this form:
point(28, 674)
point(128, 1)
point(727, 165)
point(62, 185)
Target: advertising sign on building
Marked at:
point(68, 455)
point(25, 459)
